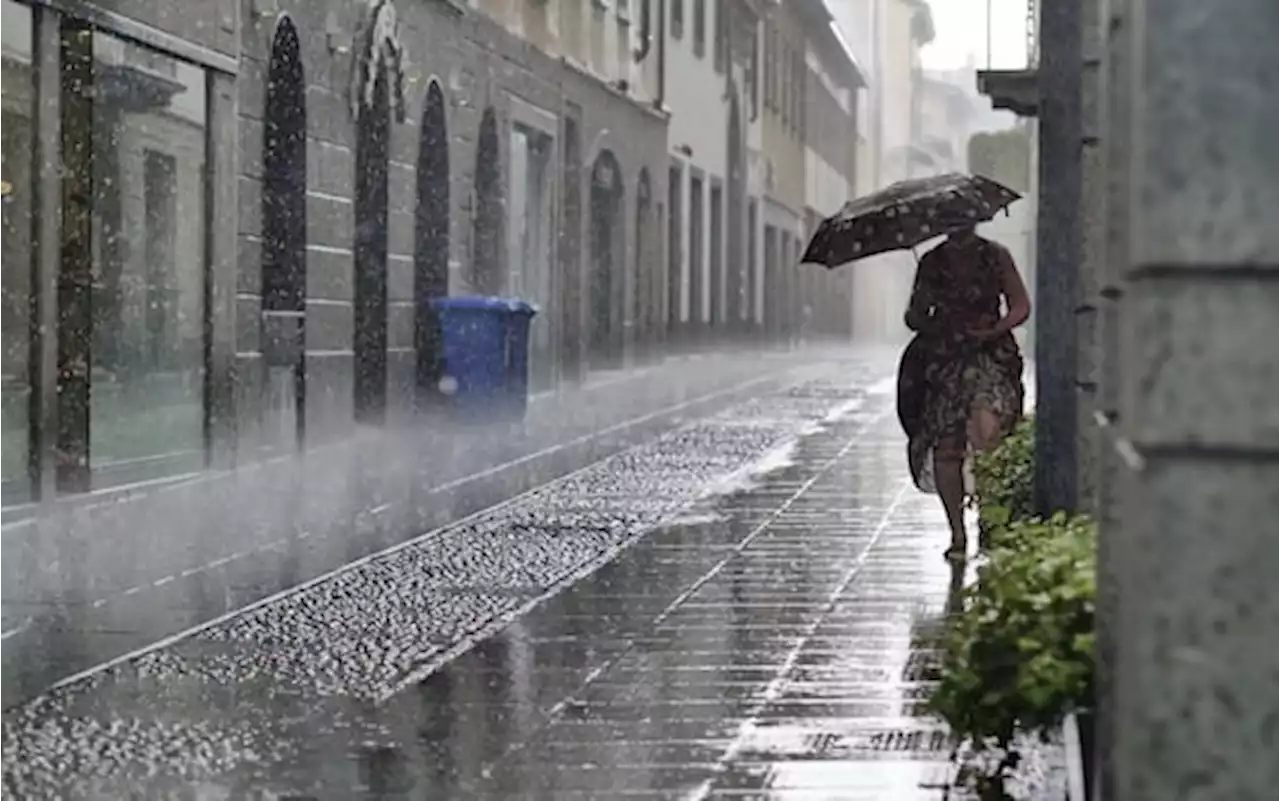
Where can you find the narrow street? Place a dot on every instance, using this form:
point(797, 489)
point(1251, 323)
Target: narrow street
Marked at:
point(724, 611)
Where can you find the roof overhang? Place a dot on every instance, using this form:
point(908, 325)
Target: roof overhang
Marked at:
point(1013, 90)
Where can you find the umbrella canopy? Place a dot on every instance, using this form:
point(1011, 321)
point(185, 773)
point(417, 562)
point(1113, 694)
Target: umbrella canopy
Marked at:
point(905, 214)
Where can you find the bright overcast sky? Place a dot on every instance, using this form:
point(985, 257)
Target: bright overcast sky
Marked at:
point(962, 34)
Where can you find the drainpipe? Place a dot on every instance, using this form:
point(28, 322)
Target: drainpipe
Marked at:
point(660, 101)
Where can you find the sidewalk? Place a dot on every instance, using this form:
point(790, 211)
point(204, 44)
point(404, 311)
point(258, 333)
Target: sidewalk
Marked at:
point(103, 577)
point(291, 672)
point(724, 612)
point(780, 666)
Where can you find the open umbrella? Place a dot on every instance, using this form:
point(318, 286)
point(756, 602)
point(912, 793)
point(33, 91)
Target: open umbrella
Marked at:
point(905, 214)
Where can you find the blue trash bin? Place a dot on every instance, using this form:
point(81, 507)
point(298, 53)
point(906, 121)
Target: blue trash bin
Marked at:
point(486, 356)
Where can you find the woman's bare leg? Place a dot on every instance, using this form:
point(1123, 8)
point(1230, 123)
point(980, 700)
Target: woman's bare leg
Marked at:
point(948, 477)
point(983, 429)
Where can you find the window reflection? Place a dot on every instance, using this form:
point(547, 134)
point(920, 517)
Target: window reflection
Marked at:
point(146, 121)
point(17, 166)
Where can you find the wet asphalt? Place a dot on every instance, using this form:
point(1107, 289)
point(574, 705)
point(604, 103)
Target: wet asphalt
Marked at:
point(725, 611)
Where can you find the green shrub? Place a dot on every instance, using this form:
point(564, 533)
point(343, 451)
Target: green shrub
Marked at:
point(1016, 652)
point(1004, 481)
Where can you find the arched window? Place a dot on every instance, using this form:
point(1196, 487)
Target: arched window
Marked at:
point(377, 92)
point(488, 273)
point(431, 242)
point(608, 244)
point(373, 131)
point(284, 230)
point(643, 294)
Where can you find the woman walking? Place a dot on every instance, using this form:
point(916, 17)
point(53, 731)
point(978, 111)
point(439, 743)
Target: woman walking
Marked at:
point(960, 382)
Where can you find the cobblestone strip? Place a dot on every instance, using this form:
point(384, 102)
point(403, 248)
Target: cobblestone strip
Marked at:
point(246, 692)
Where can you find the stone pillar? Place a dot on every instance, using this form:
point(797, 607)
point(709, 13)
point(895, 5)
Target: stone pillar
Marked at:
point(1092, 217)
point(1113, 133)
point(1057, 256)
point(1192, 666)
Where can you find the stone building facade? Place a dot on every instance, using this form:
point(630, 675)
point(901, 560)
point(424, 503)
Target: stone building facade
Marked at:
point(522, 139)
point(811, 86)
point(297, 180)
point(225, 222)
point(710, 50)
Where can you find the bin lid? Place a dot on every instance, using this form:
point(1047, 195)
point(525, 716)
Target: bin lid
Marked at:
point(484, 303)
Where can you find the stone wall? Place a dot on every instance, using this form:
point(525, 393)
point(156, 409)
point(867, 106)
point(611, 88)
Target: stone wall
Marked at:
point(477, 65)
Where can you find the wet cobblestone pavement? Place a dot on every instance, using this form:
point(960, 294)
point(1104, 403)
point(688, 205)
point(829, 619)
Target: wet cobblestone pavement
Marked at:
point(724, 612)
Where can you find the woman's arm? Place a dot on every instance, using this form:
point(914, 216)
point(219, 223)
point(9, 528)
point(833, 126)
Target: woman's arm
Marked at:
point(1015, 293)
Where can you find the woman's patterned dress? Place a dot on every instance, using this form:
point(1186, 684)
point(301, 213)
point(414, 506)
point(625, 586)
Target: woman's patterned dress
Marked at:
point(944, 373)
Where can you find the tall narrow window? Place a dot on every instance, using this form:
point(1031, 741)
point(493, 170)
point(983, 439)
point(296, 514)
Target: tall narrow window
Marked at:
point(772, 284)
point(716, 261)
point(699, 28)
point(17, 165)
point(799, 92)
point(431, 244)
point(771, 67)
point(675, 247)
point(752, 77)
point(284, 192)
point(284, 237)
point(489, 276)
point(697, 278)
point(641, 302)
point(784, 83)
point(132, 312)
point(373, 133)
point(570, 289)
point(608, 244)
point(735, 266)
point(787, 281)
point(720, 42)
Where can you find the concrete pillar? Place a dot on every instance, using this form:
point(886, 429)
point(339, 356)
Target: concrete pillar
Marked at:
point(1057, 256)
point(1192, 666)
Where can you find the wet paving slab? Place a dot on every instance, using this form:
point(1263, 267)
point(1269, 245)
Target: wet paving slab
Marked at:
point(787, 669)
point(107, 574)
point(751, 640)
